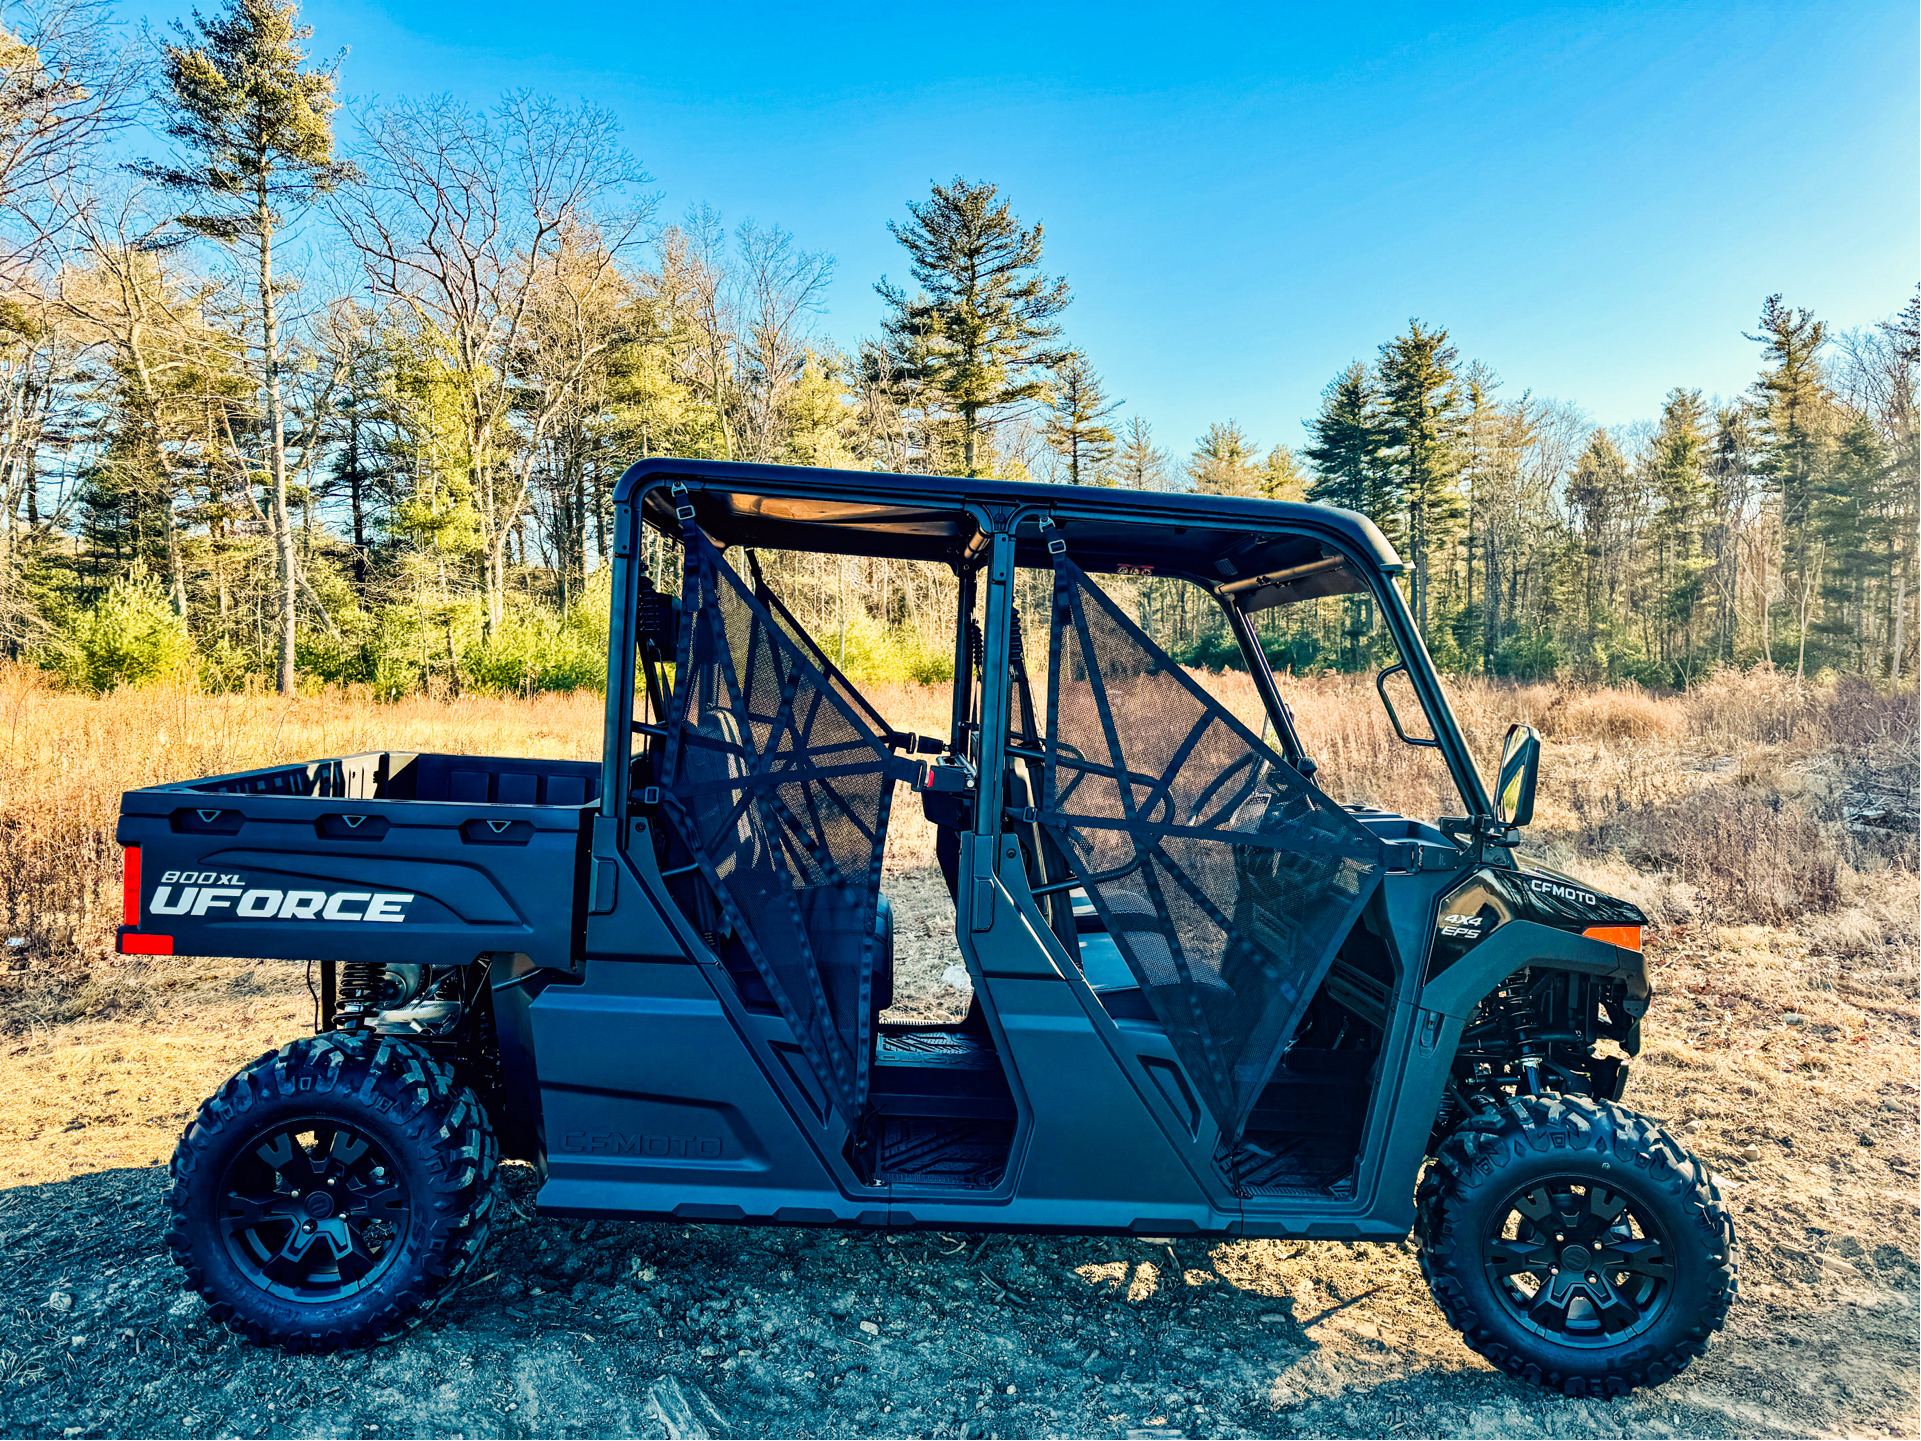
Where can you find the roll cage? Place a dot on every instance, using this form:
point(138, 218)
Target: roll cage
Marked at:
point(1248, 554)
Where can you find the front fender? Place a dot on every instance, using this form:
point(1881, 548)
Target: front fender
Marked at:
point(1442, 1011)
point(1456, 991)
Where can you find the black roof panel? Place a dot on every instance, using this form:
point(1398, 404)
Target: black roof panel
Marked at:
point(1209, 538)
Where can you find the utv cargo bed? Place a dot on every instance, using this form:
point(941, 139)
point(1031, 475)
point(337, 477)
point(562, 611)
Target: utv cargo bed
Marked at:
point(413, 858)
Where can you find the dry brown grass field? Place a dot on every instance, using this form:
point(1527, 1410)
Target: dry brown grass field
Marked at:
point(1768, 831)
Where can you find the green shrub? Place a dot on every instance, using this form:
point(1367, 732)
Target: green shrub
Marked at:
point(872, 654)
point(1526, 657)
point(224, 666)
point(1212, 650)
point(535, 649)
point(131, 637)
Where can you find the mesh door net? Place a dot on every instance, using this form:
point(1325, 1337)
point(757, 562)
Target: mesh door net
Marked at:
point(1225, 878)
point(781, 789)
point(795, 632)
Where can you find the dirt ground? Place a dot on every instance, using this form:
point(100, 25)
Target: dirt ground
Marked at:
point(927, 960)
point(590, 1329)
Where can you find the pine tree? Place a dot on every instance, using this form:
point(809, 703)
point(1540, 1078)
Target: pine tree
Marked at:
point(1852, 513)
point(1599, 493)
point(1421, 420)
point(1077, 412)
point(1491, 433)
point(1903, 333)
point(1139, 464)
point(982, 331)
point(1224, 461)
point(1678, 465)
point(1346, 450)
point(255, 130)
point(1794, 404)
point(356, 468)
point(1729, 470)
point(1281, 476)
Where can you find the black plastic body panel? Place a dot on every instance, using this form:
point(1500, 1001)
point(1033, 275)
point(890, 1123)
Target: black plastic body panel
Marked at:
point(654, 1106)
point(1494, 896)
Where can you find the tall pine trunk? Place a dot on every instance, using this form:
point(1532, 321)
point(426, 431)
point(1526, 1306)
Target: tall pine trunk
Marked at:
point(1898, 645)
point(354, 498)
point(276, 439)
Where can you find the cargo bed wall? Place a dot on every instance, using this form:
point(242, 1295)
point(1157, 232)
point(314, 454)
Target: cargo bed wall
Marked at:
point(388, 857)
point(413, 776)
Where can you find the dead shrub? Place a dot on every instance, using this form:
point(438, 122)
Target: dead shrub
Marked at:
point(1756, 707)
point(1755, 859)
point(1846, 935)
point(1735, 709)
point(1612, 715)
point(1857, 716)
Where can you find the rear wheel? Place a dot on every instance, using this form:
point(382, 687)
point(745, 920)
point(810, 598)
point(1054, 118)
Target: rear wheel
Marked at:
point(332, 1191)
point(1576, 1245)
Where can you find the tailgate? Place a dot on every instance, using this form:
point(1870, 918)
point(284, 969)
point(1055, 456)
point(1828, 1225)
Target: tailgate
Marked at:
point(301, 877)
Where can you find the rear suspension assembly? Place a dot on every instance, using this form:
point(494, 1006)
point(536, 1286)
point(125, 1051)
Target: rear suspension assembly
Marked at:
point(362, 984)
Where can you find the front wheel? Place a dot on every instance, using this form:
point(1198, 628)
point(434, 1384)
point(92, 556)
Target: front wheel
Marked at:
point(332, 1191)
point(1576, 1245)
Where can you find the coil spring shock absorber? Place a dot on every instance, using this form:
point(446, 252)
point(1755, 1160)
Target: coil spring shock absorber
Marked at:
point(1522, 1022)
point(361, 983)
point(1505, 1034)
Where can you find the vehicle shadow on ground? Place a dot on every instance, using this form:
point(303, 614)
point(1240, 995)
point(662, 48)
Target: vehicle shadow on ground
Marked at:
point(598, 1328)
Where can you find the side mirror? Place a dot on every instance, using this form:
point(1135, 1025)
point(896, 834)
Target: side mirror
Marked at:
point(1520, 768)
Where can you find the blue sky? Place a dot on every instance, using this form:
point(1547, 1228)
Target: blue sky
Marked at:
point(1593, 200)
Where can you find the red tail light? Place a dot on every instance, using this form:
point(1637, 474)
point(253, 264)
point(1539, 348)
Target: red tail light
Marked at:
point(130, 886)
point(132, 943)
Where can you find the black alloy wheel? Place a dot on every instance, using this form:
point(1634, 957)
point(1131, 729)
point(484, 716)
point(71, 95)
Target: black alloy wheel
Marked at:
point(333, 1192)
point(1575, 1244)
point(312, 1210)
point(1579, 1263)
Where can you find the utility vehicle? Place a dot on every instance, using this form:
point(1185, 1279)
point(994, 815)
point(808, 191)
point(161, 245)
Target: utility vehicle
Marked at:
point(1208, 1000)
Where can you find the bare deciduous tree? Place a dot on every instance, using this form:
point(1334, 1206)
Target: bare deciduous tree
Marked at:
point(780, 286)
point(66, 83)
point(475, 222)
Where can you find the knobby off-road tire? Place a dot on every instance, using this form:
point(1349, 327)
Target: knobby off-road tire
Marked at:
point(1576, 1245)
point(331, 1192)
